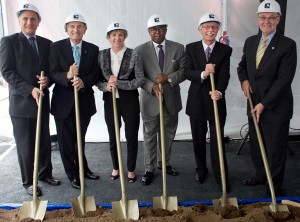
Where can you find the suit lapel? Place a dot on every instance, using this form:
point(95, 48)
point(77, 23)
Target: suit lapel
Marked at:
point(68, 51)
point(200, 55)
point(84, 55)
point(27, 47)
point(152, 56)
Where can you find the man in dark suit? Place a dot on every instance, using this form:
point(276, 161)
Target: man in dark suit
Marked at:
point(267, 75)
point(202, 58)
point(21, 64)
point(69, 58)
point(167, 70)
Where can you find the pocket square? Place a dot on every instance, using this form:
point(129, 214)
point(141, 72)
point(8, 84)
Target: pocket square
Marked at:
point(174, 60)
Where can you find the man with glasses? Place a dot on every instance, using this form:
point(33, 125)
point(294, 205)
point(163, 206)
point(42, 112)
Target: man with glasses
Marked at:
point(266, 72)
point(202, 58)
point(163, 62)
point(69, 58)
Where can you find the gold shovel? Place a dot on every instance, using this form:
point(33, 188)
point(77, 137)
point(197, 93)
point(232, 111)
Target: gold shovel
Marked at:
point(274, 207)
point(36, 208)
point(123, 209)
point(223, 201)
point(164, 202)
point(82, 204)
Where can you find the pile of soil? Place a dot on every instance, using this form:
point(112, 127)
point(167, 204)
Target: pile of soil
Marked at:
point(199, 212)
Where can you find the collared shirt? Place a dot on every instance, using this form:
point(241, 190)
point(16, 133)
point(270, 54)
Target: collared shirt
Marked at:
point(269, 37)
point(35, 42)
point(115, 63)
point(157, 48)
point(211, 49)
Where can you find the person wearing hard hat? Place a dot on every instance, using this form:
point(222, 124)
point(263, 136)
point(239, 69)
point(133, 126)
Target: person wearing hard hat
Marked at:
point(163, 62)
point(203, 58)
point(23, 56)
point(122, 70)
point(73, 63)
point(266, 72)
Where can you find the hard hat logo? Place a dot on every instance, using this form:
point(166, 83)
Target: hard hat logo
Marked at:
point(76, 16)
point(212, 16)
point(116, 25)
point(26, 6)
point(156, 19)
point(267, 5)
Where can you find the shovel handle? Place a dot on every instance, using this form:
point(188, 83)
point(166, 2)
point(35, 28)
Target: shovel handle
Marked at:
point(37, 142)
point(219, 140)
point(264, 156)
point(79, 143)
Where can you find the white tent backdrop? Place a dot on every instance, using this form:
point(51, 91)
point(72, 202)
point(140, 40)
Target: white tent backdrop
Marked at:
point(182, 17)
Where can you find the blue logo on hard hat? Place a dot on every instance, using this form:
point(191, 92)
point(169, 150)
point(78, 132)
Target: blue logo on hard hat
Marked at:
point(267, 5)
point(116, 25)
point(211, 16)
point(156, 19)
point(76, 16)
point(26, 6)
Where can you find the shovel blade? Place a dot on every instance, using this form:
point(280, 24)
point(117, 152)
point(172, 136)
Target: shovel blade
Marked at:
point(81, 205)
point(166, 203)
point(34, 209)
point(128, 209)
point(217, 203)
point(280, 208)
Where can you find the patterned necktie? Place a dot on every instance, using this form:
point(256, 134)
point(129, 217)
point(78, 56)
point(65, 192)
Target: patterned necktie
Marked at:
point(161, 57)
point(76, 54)
point(32, 43)
point(207, 53)
point(261, 50)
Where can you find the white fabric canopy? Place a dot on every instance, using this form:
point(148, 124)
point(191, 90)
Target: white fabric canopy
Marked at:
point(182, 17)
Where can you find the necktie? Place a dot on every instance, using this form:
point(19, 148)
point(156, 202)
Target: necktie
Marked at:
point(207, 53)
point(76, 54)
point(32, 43)
point(161, 57)
point(260, 51)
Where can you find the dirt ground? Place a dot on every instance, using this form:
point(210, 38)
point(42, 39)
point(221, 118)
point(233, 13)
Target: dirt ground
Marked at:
point(250, 212)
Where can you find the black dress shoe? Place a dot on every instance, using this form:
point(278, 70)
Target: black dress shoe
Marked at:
point(131, 180)
point(170, 170)
point(51, 180)
point(200, 177)
point(90, 175)
point(75, 183)
point(112, 177)
point(147, 178)
point(251, 182)
point(30, 191)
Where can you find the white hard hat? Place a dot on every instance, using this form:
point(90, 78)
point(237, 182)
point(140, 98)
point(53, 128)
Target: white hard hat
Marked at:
point(269, 6)
point(75, 17)
point(29, 7)
point(116, 26)
point(155, 20)
point(209, 17)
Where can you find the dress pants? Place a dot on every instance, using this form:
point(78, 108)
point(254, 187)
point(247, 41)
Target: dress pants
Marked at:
point(152, 144)
point(67, 140)
point(275, 136)
point(129, 110)
point(24, 133)
point(199, 131)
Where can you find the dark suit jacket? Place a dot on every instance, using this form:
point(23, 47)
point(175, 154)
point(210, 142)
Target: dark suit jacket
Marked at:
point(271, 82)
point(61, 58)
point(19, 69)
point(130, 77)
point(199, 103)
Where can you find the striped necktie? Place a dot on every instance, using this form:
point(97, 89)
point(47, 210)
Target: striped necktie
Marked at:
point(207, 53)
point(261, 50)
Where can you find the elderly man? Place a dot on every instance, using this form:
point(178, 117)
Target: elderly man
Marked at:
point(163, 63)
point(23, 56)
point(202, 58)
point(68, 58)
point(266, 72)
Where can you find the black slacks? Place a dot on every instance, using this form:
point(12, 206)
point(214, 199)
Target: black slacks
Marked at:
point(129, 110)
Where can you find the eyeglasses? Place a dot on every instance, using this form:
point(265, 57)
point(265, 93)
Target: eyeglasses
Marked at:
point(207, 27)
point(157, 29)
point(264, 18)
